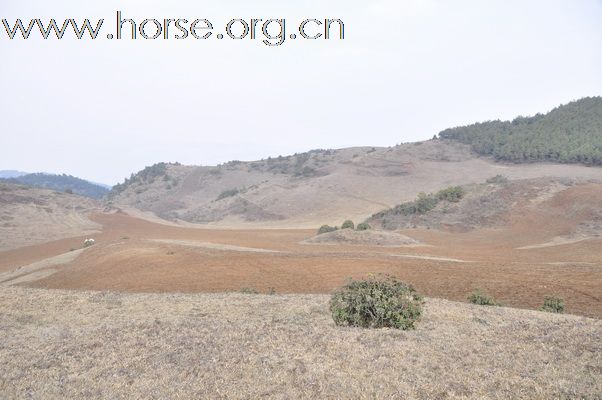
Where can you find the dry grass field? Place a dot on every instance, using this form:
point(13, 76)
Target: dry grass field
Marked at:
point(67, 344)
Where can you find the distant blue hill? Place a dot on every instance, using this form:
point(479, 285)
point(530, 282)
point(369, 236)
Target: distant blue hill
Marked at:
point(11, 173)
point(60, 183)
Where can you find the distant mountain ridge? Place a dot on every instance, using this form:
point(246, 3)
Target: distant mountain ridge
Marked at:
point(60, 183)
point(571, 133)
point(11, 173)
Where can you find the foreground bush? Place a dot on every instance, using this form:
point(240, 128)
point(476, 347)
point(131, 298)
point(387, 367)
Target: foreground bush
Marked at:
point(326, 229)
point(377, 302)
point(481, 298)
point(348, 224)
point(553, 304)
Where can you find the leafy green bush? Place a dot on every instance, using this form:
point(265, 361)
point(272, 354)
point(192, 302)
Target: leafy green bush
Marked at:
point(553, 304)
point(363, 227)
point(377, 302)
point(348, 225)
point(425, 203)
point(452, 194)
point(326, 229)
point(481, 298)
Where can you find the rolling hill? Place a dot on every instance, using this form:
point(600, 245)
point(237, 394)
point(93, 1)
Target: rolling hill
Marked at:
point(33, 215)
point(328, 186)
point(11, 173)
point(61, 183)
point(319, 187)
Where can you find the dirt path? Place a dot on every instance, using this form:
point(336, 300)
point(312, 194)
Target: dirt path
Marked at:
point(37, 270)
point(213, 246)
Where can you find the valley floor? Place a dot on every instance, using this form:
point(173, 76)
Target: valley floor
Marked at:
point(135, 255)
point(68, 344)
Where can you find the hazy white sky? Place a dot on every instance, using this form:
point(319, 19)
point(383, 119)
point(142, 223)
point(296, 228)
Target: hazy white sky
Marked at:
point(406, 70)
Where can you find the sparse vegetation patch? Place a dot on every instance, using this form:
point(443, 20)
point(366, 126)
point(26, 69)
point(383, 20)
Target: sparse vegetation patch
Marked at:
point(326, 229)
point(228, 193)
point(481, 298)
point(146, 176)
point(426, 202)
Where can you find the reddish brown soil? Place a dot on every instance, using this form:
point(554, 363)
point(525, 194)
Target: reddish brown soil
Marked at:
point(126, 258)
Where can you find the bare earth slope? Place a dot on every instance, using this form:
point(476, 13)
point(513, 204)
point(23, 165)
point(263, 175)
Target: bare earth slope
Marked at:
point(319, 187)
point(58, 344)
point(30, 215)
point(140, 256)
point(573, 206)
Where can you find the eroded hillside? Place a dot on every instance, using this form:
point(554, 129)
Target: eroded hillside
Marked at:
point(322, 186)
point(30, 215)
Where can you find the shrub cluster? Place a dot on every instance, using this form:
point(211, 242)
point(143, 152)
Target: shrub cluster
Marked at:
point(348, 225)
point(228, 193)
point(326, 229)
point(553, 304)
point(377, 302)
point(425, 202)
point(481, 298)
point(453, 194)
point(363, 227)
